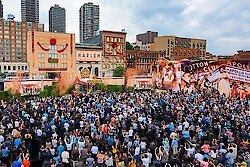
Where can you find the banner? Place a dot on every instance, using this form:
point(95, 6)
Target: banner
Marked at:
point(230, 77)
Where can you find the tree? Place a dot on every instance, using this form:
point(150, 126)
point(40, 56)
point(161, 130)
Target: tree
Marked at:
point(129, 46)
point(2, 75)
point(119, 71)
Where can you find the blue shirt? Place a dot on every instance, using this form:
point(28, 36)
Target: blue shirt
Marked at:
point(57, 159)
point(110, 141)
point(174, 142)
point(171, 127)
point(5, 152)
point(17, 142)
point(17, 164)
point(60, 149)
point(185, 134)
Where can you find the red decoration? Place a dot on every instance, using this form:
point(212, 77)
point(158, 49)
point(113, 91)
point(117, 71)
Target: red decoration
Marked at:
point(60, 51)
point(41, 46)
point(52, 41)
point(114, 45)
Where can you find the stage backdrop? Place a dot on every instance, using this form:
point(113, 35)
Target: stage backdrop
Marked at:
point(230, 77)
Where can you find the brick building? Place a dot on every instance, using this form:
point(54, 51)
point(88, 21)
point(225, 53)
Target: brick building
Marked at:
point(141, 60)
point(113, 45)
point(50, 54)
point(178, 48)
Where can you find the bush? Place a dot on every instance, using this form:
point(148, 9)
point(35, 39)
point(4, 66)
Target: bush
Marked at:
point(116, 88)
point(49, 91)
point(131, 88)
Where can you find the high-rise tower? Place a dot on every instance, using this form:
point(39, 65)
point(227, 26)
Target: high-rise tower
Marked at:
point(57, 19)
point(89, 21)
point(30, 10)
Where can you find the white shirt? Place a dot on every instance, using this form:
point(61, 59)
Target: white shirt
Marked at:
point(81, 144)
point(199, 157)
point(39, 132)
point(65, 156)
point(143, 144)
point(94, 149)
point(190, 151)
point(54, 143)
point(16, 124)
point(186, 124)
point(137, 150)
point(1, 138)
point(109, 162)
point(66, 125)
point(130, 133)
point(149, 156)
point(81, 124)
point(146, 162)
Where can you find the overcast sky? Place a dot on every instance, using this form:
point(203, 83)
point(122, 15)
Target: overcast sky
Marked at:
point(224, 23)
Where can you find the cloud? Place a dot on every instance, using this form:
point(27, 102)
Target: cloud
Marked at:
point(224, 23)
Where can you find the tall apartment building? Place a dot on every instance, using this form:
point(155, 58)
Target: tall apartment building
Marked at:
point(57, 19)
point(145, 41)
point(30, 10)
point(13, 44)
point(89, 21)
point(147, 38)
point(1, 9)
point(178, 48)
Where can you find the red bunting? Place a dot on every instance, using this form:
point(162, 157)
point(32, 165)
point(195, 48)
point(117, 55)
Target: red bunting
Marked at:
point(60, 51)
point(41, 46)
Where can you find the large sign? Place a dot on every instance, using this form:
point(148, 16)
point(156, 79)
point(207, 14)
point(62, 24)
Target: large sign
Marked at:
point(230, 77)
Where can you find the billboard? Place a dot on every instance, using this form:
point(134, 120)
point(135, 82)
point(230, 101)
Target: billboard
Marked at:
point(229, 77)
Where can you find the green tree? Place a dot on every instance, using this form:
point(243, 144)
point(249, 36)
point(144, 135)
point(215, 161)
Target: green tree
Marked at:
point(2, 75)
point(119, 71)
point(129, 46)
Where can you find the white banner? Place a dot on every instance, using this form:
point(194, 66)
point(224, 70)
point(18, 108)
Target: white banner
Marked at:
point(237, 74)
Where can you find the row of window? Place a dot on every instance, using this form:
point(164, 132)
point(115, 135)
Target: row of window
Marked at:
point(114, 60)
point(52, 65)
point(114, 39)
point(53, 47)
point(111, 66)
point(14, 68)
point(51, 55)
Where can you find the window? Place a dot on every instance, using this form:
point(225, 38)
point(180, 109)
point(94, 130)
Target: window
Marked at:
point(41, 64)
point(53, 47)
point(64, 65)
point(53, 56)
point(41, 55)
point(64, 56)
point(53, 65)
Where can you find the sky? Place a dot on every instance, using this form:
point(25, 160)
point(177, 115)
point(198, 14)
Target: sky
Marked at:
point(225, 24)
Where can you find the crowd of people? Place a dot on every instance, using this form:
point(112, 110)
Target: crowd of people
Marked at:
point(130, 129)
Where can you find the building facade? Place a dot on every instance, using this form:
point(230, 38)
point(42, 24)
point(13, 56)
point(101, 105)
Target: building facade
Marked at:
point(88, 61)
point(242, 55)
point(89, 21)
point(13, 45)
point(50, 54)
point(147, 38)
point(113, 50)
point(57, 19)
point(30, 10)
point(1, 9)
point(141, 60)
point(178, 48)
